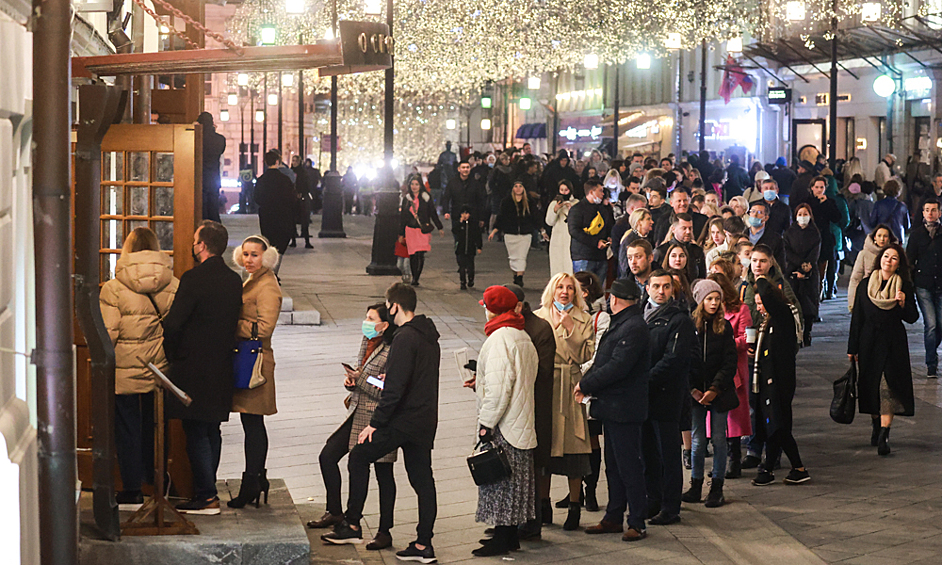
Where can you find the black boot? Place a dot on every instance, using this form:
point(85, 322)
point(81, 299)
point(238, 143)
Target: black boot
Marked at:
point(546, 511)
point(592, 481)
point(249, 491)
point(715, 498)
point(883, 442)
point(575, 515)
point(564, 503)
point(695, 491)
point(734, 467)
point(501, 544)
point(875, 431)
point(263, 483)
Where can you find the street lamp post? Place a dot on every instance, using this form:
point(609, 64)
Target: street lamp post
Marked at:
point(332, 215)
point(703, 94)
point(617, 110)
point(832, 98)
point(386, 227)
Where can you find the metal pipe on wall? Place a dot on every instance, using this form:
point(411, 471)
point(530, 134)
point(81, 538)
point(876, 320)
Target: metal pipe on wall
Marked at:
point(52, 221)
point(142, 83)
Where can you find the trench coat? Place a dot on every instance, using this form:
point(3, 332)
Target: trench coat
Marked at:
point(878, 338)
point(261, 304)
point(570, 424)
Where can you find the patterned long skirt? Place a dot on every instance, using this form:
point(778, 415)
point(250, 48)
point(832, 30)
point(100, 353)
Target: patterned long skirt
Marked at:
point(511, 501)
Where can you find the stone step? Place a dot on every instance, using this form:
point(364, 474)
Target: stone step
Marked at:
point(272, 534)
point(297, 312)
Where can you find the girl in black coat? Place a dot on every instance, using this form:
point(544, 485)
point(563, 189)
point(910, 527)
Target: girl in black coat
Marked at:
point(774, 384)
point(712, 389)
point(824, 210)
point(802, 248)
point(878, 343)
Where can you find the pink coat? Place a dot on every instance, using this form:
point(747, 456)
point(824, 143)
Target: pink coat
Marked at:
point(738, 422)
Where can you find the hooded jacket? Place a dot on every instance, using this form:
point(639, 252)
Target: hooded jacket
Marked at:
point(673, 348)
point(132, 322)
point(410, 397)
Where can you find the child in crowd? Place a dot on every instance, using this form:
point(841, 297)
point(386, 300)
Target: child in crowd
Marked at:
point(467, 245)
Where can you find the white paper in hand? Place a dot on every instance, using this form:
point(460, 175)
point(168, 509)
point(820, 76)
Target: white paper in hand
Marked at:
point(461, 359)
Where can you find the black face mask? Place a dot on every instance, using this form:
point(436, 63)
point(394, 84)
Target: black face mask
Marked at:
point(392, 316)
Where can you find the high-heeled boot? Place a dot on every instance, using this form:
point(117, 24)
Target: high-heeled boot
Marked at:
point(875, 431)
point(592, 481)
point(249, 491)
point(883, 442)
point(263, 483)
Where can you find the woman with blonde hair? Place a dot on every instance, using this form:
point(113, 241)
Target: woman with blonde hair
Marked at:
point(133, 305)
point(517, 223)
point(564, 308)
point(261, 305)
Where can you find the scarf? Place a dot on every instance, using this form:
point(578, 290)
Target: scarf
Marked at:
point(506, 320)
point(884, 299)
point(763, 331)
point(932, 228)
point(371, 346)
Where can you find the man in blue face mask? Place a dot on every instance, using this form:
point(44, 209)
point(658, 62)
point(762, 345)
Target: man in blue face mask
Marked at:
point(759, 232)
point(780, 215)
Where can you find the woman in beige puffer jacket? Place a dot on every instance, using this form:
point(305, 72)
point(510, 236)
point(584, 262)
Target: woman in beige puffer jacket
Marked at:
point(132, 306)
point(874, 244)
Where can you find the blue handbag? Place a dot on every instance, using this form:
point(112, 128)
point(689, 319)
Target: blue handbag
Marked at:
point(247, 362)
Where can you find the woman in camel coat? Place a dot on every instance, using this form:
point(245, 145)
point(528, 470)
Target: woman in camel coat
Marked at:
point(261, 305)
point(564, 309)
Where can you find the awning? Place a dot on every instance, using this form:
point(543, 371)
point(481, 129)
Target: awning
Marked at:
point(531, 131)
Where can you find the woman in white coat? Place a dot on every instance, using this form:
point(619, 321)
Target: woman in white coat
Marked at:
point(557, 213)
point(506, 372)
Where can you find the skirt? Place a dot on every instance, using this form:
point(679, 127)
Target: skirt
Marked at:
point(518, 247)
point(512, 501)
point(417, 241)
point(889, 404)
point(571, 465)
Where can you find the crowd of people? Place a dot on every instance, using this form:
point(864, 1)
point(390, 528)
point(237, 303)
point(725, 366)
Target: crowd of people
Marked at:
point(678, 299)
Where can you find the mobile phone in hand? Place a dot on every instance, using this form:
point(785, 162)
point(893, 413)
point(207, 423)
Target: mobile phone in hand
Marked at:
point(348, 367)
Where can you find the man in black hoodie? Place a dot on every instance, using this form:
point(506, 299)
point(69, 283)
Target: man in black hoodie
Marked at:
point(406, 418)
point(673, 347)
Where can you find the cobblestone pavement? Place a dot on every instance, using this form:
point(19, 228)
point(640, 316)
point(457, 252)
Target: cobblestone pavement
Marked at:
point(858, 507)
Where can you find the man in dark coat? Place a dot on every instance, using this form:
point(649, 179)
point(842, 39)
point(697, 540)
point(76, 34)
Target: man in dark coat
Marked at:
point(304, 187)
point(464, 191)
point(446, 163)
point(801, 186)
point(556, 171)
point(679, 204)
point(544, 340)
point(682, 234)
point(277, 204)
point(759, 232)
point(784, 176)
point(590, 225)
point(618, 384)
point(199, 336)
point(407, 418)
point(673, 346)
point(780, 215)
point(737, 179)
point(349, 186)
point(924, 252)
point(214, 145)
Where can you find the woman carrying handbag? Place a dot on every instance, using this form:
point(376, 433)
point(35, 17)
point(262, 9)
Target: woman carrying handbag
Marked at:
point(878, 343)
point(506, 372)
point(417, 215)
point(261, 305)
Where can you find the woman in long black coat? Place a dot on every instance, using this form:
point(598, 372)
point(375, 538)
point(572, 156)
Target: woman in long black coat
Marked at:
point(878, 343)
point(802, 248)
point(825, 212)
point(774, 383)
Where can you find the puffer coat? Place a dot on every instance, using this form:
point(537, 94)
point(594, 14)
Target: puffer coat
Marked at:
point(507, 367)
point(261, 304)
point(132, 322)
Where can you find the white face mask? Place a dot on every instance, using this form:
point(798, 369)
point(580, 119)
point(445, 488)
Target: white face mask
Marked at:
point(745, 263)
point(803, 220)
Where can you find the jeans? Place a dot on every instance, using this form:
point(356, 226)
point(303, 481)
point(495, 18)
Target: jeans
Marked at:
point(333, 451)
point(418, 461)
point(663, 465)
point(600, 268)
point(717, 435)
point(134, 439)
point(203, 446)
point(930, 304)
point(624, 470)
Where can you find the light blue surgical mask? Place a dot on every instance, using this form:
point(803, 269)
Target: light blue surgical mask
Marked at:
point(562, 307)
point(369, 329)
point(769, 195)
point(753, 222)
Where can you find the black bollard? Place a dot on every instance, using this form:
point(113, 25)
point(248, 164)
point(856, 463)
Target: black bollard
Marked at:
point(386, 229)
point(332, 214)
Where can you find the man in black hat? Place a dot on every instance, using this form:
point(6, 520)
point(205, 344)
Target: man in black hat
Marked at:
point(618, 384)
point(801, 187)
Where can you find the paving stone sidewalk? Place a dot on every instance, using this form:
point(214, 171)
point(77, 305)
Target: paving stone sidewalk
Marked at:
point(858, 508)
